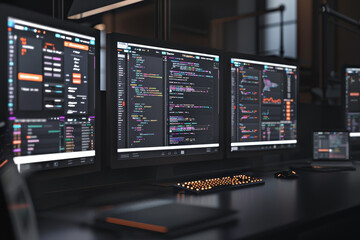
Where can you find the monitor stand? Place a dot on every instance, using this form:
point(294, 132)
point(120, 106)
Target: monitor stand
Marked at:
point(167, 175)
point(164, 173)
point(271, 159)
point(329, 163)
point(326, 166)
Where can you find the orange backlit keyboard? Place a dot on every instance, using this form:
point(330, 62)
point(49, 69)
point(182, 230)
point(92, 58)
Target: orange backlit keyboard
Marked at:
point(218, 184)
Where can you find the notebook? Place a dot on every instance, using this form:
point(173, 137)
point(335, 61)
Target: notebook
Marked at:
point(170, 219)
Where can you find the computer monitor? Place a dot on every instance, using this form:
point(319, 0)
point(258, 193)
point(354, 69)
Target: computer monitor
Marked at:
point(262, 104)
point(164, 102)
point(50, 78)
point(351, 100)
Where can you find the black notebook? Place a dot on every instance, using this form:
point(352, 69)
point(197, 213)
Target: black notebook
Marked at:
point(172, 219)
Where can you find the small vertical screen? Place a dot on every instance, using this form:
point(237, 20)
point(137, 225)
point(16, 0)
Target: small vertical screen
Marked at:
point(51, 96)
point(263, 105)
point(352, 101)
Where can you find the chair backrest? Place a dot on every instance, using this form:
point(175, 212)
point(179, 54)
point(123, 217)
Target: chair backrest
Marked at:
point(16, 208)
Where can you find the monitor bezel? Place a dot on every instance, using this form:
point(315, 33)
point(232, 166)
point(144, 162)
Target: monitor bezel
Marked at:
point(343, 98)
point(111, 95)
point(26, 15)
point(227, 70)
point(331, 130)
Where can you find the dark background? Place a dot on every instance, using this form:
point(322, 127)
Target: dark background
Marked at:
point(191, 23)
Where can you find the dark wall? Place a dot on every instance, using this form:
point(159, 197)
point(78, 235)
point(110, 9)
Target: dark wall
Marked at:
point(44, 7)
point(348, 47)
point(192, 24)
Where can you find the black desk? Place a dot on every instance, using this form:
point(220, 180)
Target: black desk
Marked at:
point(313, 204)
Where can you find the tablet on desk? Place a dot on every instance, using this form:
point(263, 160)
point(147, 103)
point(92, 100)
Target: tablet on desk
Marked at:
point(330, 152)
point(331, 145)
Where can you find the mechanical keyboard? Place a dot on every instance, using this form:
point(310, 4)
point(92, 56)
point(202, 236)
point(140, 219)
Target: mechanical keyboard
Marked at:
point(218, 184)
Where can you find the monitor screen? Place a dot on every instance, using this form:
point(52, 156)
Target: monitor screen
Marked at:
point(263, 105)
point(167, 102)
point(51, 96)
point(331, 145)
point(352, 100)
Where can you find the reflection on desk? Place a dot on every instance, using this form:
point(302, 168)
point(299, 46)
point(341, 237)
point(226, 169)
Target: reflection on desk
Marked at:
point(309, 207)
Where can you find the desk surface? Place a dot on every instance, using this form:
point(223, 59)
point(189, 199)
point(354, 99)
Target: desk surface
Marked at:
point(277, 205)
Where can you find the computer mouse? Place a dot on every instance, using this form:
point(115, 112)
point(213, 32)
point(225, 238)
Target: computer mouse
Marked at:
point(286, 174)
